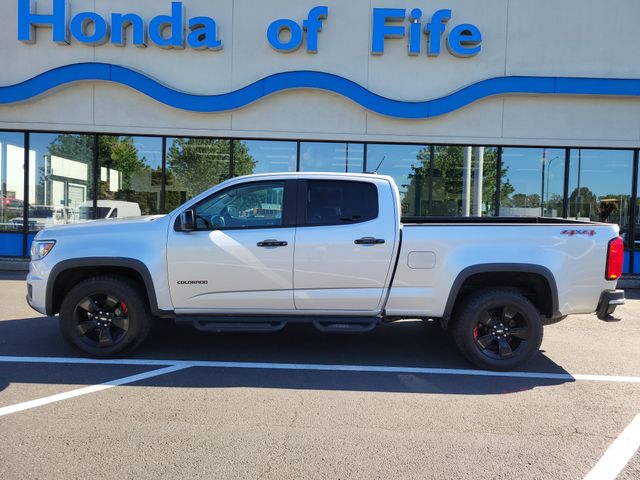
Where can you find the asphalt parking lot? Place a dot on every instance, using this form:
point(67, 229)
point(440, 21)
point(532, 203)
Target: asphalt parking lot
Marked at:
point(395, 403)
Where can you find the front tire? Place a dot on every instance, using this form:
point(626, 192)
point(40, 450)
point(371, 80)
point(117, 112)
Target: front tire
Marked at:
point(497, 329)
point(105, 316)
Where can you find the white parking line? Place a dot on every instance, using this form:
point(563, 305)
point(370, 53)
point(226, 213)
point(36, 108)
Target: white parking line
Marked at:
point(91, 389)
point(325, 368)
point(618, 454)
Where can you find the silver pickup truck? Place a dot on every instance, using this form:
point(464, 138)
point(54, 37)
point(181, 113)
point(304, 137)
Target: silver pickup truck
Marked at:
point(255, 253)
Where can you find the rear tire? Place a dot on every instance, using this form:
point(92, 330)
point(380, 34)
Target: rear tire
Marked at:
point(497, 329)
point(105, 316)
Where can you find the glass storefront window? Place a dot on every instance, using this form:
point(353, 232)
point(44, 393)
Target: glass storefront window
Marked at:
point(409, 167)
point(532, 182)
point(264, 156)
point(60, 179)
point(195, 165)
point(12, 194)
point(600, 186)
point(331, 157)
point(431, 179)
point(130, 177)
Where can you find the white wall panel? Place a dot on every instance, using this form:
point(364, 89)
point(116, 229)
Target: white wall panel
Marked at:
point(587, 38)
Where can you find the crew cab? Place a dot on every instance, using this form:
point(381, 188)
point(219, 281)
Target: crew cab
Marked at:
point(256, 253)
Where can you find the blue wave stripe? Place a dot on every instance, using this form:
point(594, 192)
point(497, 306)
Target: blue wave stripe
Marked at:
point(279, 82)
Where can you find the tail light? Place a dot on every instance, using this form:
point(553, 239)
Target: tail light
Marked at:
point(615, 259)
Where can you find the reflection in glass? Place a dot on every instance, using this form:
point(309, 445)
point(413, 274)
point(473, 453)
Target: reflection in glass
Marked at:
point(12, 194)
point(409, 167)
point(60, 182)
point(264, 156)
point(197, 164)
point(247, 206)
point(331, 157)
point(130, 177)
point(600, 185)
point(431, 179)
point(532, 182)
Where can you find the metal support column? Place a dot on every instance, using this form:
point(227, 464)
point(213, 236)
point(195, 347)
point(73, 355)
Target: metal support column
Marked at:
point(479, 181)
point(466, 182)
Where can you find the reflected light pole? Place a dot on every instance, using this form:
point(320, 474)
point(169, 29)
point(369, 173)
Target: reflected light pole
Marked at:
point(545, 166)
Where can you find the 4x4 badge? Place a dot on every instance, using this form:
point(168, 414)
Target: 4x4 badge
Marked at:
point(573, 233)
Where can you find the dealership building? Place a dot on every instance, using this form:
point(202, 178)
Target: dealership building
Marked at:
point(112, 108)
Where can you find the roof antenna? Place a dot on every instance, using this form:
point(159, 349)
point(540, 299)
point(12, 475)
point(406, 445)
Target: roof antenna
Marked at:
point(380, 164)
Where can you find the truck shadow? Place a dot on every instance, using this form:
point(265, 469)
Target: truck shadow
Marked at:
point(402, 344)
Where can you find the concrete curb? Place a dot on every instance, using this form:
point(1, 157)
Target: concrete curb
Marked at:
point(629, 283)
point(14, 265)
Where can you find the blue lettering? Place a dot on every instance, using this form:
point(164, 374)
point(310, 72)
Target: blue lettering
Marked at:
point(119, 25)
point(204, 34)
point(435, 29)
point(295, 32)
point(313, 26)
point(80, 24)
point(381, 30)
point(465, 41)
point(28, 20)
point(174, 23)
point(414, 32)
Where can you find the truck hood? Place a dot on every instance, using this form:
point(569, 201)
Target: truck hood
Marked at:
point(102, 227)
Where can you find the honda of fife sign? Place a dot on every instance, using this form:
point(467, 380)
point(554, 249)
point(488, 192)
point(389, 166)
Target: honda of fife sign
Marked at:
point(427, 35)
point(176, 30)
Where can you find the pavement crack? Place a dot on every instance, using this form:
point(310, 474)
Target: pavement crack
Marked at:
point(281, 451)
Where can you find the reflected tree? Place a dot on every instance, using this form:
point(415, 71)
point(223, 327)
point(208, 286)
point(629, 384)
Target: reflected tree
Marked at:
point(447, 182)
point(197, 164)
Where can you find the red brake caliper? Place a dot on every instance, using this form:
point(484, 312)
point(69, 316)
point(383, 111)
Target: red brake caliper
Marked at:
point(124, 307)
point(475, 332)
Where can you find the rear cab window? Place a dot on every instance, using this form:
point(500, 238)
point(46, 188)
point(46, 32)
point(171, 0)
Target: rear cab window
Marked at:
point(340, 202)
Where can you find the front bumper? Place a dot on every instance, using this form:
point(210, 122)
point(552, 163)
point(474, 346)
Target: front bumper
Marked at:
point(36, 287)
point(609, 301)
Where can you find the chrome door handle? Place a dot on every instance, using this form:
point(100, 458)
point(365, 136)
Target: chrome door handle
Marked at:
point(272, 243)
point(369, 241)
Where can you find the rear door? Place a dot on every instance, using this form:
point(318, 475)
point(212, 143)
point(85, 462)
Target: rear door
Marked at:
point(344, 244)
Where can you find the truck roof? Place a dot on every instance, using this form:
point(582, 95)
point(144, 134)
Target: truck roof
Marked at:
point(316, 175)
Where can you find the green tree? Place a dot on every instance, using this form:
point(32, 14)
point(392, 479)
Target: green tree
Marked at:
point(122, 157)
point(78, 148)
point(447, 182)
point(582, 203)
point(197, 164)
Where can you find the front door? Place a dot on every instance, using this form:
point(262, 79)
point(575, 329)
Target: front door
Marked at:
point(344, 245)
point(240, 258)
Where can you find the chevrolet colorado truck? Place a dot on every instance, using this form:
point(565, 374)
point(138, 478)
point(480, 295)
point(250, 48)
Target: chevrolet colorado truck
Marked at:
point(256, 253)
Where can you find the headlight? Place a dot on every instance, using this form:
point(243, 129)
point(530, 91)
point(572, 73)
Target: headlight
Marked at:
point(39, 250)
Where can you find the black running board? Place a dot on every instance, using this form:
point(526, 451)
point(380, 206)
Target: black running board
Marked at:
point(277, 323)
point(219, 327)
point(341, 327)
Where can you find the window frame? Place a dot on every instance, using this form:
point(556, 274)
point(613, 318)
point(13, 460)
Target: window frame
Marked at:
point(303, 189)
point(288, 206)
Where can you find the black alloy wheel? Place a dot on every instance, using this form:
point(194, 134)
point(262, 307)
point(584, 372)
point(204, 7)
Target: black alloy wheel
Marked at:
point(105, 316)
point(501, 332)
point(497, 329)
point(102, 320)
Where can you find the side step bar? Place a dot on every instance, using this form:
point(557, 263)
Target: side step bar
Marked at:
point(275, 324)
point(340, 327)
point(219, 327)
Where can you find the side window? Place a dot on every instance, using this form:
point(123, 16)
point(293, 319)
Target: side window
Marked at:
point(246, 206)
point(340, 202)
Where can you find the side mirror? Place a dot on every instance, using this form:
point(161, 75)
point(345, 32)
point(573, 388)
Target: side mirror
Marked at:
point(187, 221)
